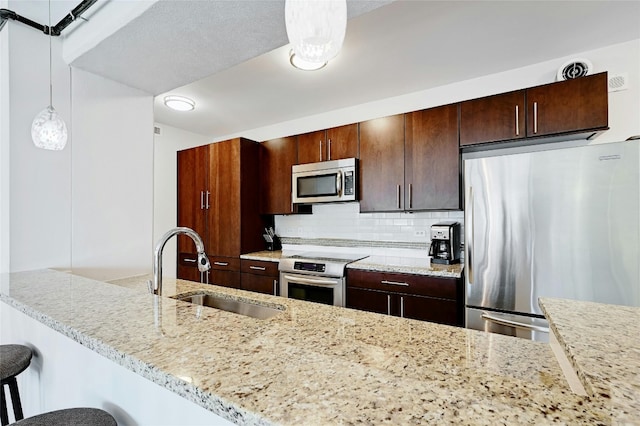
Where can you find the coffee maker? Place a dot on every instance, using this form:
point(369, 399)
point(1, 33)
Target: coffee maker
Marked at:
point(445, 243)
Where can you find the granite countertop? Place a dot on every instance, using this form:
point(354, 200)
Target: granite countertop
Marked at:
point(602, 342)
point(311, 364)
point(407, 265)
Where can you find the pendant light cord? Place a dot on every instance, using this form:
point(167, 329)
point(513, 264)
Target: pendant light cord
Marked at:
point(50, 78)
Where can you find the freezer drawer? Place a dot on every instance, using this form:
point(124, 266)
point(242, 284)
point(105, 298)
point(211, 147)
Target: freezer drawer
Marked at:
point(508, 324)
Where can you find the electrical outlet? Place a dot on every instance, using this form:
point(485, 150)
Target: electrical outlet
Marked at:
point(419, 233)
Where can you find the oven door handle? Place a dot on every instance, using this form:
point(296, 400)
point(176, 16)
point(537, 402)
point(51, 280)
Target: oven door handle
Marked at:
point(312, 281)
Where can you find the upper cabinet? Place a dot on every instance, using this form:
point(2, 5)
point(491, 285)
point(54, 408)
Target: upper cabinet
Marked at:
point(578, 106)
point(277, 156)
point(431, 159)
point(330, 144)
point(382, 164)
point(494, 118)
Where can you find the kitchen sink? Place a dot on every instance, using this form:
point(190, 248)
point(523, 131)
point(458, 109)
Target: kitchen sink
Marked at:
point(241, 307)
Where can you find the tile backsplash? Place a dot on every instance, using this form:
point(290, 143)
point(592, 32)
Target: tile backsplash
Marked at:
point(344, 221)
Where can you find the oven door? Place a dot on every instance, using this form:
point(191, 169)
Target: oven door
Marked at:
point(312, 288)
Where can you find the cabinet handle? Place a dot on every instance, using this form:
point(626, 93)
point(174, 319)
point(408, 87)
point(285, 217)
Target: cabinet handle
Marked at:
point(275, 287)
point(201, 200)
point(388, 304)
point(320, 150)
point(398, 196)
point(401, 307)
point(221, 263)
point(208, 193)
point(329, 150)
point(535, 117)
point(190, 260)
point(394, 283)
point(410, 195)
point(257, 268)
point(517, 122)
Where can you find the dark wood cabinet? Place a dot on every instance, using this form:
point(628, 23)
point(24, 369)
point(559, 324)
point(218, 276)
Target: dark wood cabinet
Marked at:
point(579, 107)
point(432, 159)
point(260, 276)
point(569, 106)
point(228, 173)
point(494, 118)
point(406, 295)
point(382, 164)
point(331, 144)
point(277, 156)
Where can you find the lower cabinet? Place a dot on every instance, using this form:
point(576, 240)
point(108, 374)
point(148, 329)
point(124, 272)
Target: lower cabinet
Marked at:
point(225, 271)
point(259, 276)
point(418, 297)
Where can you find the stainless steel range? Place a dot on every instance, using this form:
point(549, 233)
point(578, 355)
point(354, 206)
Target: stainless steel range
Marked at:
point(315, 276)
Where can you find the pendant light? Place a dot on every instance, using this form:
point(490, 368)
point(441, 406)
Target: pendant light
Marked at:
point(48, 129)
point(316, 30)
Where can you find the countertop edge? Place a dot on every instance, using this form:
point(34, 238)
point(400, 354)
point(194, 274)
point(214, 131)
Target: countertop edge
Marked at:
point(214, 403)
point(363, 265)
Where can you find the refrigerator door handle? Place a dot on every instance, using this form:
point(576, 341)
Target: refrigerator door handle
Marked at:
point(511, 323)
point(469, 237)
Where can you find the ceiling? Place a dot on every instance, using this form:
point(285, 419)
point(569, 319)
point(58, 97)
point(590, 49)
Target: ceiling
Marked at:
point(231, 57)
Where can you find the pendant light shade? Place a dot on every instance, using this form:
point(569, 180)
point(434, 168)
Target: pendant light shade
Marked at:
point(316, 28)
point(48, 130)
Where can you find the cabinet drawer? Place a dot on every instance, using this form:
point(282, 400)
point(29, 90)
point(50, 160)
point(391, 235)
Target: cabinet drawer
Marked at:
point(259, 267)
point(224, 278)
point(223, 263)
point(445, 288)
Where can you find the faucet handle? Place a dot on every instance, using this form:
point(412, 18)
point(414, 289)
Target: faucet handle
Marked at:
point(203, 262)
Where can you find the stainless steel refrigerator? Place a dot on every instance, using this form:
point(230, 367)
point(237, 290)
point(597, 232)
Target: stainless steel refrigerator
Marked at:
point(562, 222)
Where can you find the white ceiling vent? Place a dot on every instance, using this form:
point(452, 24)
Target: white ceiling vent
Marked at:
point(618, 82)
point(574, 68)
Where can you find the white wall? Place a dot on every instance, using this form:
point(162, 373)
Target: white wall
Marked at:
point(112, 178)
point(165, 186)
point(4, 147)
point(40, 181)
point(88, 207)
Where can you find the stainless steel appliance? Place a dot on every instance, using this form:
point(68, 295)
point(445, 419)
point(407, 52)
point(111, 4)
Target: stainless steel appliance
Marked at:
point(325, 182)
point(445, 243)
point(559, 223)
point(315, 276)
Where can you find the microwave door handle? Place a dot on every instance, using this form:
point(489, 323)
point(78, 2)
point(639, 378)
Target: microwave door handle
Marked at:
point(312, 281)
point(339, 182)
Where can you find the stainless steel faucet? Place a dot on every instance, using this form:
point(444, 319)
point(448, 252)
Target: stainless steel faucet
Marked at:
point(203, 260)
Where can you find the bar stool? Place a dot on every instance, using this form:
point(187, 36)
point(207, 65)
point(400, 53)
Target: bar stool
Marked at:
point(70, 417)
point(14, 359)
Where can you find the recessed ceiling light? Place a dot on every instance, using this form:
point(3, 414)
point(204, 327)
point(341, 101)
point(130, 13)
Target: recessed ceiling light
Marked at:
point(301, 64)
point(179, 103)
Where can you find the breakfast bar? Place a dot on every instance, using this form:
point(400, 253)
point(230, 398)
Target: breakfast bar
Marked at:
point(317, 364)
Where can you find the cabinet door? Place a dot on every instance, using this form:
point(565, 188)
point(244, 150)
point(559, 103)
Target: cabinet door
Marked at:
point(368, 300)
point(312, 147)
point(492, 119)
point(223, 278)
point(259, 283)
point(568, 106)
point(429, 309)
point(342, 142)
point(192, 174)
point(276, 159)
point(431, 159)
point(382, 164)
point(224, 212)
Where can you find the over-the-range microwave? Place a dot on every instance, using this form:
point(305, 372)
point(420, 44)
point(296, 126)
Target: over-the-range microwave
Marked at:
point(325, 182)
